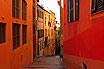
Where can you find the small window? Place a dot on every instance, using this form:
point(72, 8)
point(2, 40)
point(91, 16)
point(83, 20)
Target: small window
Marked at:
point(76, 9)
point(24, 10)
point(52, 32)
point(48, 32)
point(40, 33)
point(2, 33)
point(93, 6)
point(33, 28)
point(24, 34)
point(16, 36)
point(15, 8)
point(71, 10)
point(67, 10)
point(38, 12)
point(97, 5)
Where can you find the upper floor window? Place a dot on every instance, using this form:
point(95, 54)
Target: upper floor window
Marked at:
point(76, 9)
point(97, 5)
point(46, 32)
point(72, 10)
point(40, 33)
point(16, 36)
point(2, 33)
point(24, 10)
point(51, 31)
point(15, 8)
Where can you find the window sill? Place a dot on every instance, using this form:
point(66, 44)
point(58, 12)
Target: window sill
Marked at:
point(2, 44)
point(97, 14)
point(74, 21)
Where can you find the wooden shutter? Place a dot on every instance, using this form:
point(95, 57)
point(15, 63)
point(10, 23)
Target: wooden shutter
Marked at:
point(71, 10)
point(99, 5)
point(76, 9)
point(67, 10)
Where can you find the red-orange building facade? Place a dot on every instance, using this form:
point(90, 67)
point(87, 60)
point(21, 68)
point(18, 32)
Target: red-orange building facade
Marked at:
point(16, 33)
point(83, 34)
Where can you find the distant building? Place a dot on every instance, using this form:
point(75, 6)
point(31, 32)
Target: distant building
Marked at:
point(40, 29)
point(34, 29)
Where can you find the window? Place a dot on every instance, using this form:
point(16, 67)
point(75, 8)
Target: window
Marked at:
point(46, 32)
point(24, 10)
point(52, 32)
point(49, 32)
point(2, 33)
point(16, 36)
point(71, 10)
point(38, 12)
point(24, 34)
point(33, 28)
point(67, 10)
point(93, 6)
point(76, 9)
point(15, 8)
point(97, 5)
point(40, 33)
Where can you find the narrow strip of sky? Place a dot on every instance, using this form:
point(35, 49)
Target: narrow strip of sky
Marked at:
point(52, 5)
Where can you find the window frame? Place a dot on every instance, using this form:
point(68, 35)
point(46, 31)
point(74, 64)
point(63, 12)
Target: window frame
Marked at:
point(24, 10)
point(15, 7)
point(24, 34)
point(3, 39)
point(96, 9)
point(76, 5)
point(16, 34)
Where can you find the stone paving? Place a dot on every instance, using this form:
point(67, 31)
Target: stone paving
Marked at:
point(52, 62)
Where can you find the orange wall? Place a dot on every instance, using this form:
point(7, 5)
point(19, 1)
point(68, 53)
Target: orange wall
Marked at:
point(9, 58)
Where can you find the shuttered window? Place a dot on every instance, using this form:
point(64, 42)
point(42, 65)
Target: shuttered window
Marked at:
point(51, 31)
point(15, 8)
point(76, 9)
point(46, 32)
point(71, 10)
point(24, 10)
point(33, 28)
point(40, 33)
point(16, 36)
point(67, 10)
point(24, 34)
point(93, 6)
point(2, 33)
point(97, 5)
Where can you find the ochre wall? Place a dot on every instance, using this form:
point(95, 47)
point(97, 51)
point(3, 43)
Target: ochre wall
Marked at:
point(9, 58)
point(84, 38)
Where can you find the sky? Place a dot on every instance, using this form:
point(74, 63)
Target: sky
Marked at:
point(52, 5)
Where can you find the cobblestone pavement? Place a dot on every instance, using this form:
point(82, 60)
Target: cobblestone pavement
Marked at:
point(52, 62)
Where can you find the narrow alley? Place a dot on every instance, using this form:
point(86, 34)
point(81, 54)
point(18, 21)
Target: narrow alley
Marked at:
point(49, 62)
